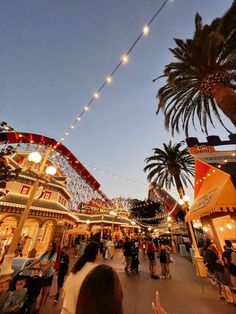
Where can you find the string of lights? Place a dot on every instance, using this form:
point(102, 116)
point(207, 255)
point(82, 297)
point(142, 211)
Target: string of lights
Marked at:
point(115, 175)
point(173, 193)
point(124, 60)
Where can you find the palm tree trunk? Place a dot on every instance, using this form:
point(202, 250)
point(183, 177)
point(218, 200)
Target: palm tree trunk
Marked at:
point(179, 186)
point(226, 100)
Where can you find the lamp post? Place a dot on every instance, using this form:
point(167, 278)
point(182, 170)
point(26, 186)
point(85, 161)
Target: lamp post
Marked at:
point(200, 266)
point(34, 158)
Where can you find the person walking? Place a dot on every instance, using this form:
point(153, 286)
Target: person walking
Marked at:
point(127, 251)
point(151, 254)
point(82, 246)
point(46, 270)
point(215, 266)
point(62, 271)
point(110, 249)
point(164, 254)
point(74, 280)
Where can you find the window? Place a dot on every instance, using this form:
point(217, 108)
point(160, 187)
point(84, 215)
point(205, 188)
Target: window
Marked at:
point(47, 195)
point(25, 189)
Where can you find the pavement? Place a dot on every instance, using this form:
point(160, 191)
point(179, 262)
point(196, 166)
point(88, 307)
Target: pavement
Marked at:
point(184, 293)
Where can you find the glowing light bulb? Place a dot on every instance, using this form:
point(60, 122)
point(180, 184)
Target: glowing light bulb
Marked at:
point(86, 108)
point(78, 118)
point(35, 157)
point(229, 226)
point(205, 229)
point(125, 59)
point(51, 170)
point(109, 79)
point(62, 139)
point(221, 229)
point(72, 126)
point(181, 202)
point(96, 95)
point(67, 133)
point(146, 30)
point(186, 198)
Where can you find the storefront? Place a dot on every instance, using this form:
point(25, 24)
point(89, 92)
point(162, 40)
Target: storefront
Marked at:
point(214, 206)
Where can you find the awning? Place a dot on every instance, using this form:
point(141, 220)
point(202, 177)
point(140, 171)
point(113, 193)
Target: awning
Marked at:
point(216, 194)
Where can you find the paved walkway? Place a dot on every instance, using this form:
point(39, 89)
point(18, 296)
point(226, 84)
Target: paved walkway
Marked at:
point(183, 294)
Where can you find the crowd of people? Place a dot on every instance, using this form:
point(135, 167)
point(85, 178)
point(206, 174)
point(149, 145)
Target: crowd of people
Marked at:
point(78, 288)
point(222, 267)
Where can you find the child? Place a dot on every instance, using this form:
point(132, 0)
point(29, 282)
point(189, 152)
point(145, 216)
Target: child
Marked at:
point(16, 298)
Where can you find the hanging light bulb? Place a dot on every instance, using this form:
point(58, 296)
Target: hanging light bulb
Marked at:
point(86, 108)
point(109, 79)
point(125, 59)
point(181, 202)
point(221, 229)
point(146, 30)
point(96, 95)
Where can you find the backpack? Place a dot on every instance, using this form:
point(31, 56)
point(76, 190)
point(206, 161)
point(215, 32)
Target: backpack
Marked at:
point(151, 251)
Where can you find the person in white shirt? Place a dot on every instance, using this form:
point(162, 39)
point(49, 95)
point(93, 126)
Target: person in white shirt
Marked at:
point(76, 277)
point(110, 249)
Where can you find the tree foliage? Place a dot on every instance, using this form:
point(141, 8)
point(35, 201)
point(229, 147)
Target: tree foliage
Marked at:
point(170, 167)
point(204, 61)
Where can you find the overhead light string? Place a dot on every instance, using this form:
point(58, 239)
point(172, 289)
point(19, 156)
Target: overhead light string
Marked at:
point(115, 175)
point(124, 59)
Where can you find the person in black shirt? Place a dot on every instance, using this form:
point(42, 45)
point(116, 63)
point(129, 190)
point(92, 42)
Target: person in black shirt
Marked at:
point(127, 250)
point(62, 271)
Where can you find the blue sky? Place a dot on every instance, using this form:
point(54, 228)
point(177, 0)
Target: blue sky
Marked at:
point(55, 54)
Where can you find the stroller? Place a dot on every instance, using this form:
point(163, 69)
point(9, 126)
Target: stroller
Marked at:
point(33, 285)
point(134, 260)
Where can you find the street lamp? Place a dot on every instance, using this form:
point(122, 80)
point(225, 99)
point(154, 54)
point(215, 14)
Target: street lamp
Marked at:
point(34, 158)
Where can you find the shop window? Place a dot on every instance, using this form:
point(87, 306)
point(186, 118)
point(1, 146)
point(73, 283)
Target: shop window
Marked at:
point(47, 195)
point(25, 189)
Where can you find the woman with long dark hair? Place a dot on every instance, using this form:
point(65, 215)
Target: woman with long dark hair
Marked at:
point(101, 292)
point(74, 281)
point(46, 271)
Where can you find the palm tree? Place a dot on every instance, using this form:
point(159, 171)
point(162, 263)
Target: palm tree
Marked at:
point(170, 167)
point(204, 78)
